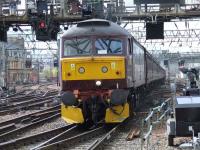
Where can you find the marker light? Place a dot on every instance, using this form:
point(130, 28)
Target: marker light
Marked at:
point(117, 72)
point(81, 70)
point(104, 69)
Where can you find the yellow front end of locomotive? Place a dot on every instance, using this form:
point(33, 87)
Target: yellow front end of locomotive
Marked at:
point(93, 68)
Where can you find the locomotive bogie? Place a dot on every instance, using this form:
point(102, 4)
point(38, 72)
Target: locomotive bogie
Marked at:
point(114, 106)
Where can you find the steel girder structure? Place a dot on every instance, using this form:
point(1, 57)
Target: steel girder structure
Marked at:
point(178, 36)
point(135, 12)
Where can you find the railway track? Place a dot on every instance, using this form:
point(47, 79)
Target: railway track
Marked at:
point(22, 91)
point(63, 137)
point(67, 137)
point(22, 102)
point(27, 96)
point(100, 142)
point(29, 141)
point(92, 139)
point(27, 90)
point(27, 104)
point(18, 131)
point(18, 98)
point(29, 116)
point(11, 128)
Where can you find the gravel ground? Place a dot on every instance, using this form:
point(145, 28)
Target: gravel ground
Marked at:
point(119, 142)
point(158, 139)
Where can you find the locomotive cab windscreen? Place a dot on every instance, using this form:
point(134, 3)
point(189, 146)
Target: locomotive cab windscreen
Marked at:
point(92, 46)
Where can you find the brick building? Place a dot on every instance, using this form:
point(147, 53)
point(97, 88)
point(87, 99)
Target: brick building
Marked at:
point(15, 57)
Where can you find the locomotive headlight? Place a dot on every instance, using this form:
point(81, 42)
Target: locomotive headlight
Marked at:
point(81, 70)
point(98, 83)
point(104, 69)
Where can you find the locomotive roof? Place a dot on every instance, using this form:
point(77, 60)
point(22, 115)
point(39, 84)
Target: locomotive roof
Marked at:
point(95, 27)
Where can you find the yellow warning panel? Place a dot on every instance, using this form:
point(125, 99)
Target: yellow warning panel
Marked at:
point(117, 114)
point(72, 114)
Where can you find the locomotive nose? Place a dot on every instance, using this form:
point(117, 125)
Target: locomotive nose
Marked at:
point(93, 68)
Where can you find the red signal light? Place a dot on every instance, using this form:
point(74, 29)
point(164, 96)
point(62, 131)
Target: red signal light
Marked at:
point(42, 24)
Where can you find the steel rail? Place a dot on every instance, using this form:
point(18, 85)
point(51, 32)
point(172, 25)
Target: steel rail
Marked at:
point(7, 128)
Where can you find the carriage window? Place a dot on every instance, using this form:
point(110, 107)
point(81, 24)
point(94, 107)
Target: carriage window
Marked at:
point(76, 47)
point(108, 46)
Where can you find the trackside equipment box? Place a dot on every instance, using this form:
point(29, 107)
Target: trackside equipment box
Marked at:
point(187, 113)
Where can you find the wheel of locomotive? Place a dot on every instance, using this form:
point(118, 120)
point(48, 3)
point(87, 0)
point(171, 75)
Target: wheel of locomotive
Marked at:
point(170, 140)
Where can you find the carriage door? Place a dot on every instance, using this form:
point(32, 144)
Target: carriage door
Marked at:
point(129, 63)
